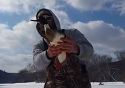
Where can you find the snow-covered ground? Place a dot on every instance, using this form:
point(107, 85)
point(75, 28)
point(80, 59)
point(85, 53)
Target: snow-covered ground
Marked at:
point(109, 85)
point(40, 85)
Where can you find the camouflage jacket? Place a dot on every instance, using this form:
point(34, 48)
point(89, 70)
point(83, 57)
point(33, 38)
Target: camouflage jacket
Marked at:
point(72, 75)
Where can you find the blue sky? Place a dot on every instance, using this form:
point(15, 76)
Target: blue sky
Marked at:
point(101, 21)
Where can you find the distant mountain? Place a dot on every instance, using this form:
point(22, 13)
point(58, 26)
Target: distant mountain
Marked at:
point(8, 77)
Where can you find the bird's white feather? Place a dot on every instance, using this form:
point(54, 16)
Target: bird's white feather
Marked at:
point(56, 39)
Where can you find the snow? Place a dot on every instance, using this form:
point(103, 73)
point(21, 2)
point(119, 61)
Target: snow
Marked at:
point(22, 85)
point(40, 85)
point(108, 85)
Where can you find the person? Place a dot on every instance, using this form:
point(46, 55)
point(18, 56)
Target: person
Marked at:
point(73, 73)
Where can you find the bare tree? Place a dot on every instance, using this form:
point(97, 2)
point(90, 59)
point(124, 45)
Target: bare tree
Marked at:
point(31, 67)
point(120, 54)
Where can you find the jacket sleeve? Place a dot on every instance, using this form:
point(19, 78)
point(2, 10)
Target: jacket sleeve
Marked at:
point(39, 57)
point(85, 47)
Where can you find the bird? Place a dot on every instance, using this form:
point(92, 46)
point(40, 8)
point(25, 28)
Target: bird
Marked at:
point(54, 36)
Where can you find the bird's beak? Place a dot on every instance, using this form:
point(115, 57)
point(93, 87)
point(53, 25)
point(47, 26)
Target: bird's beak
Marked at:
point(34, 20)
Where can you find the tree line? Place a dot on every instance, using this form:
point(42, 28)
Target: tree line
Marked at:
point(100, 69)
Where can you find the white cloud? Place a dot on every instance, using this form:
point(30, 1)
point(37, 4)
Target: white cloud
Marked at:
point(27, 6)
point(16, 6)
point(16, 45)
point(119, 6)
point(88, 5)
point(63, 18)
point(14, 63)
point(104, 37)
point(23, 32)
point(97, 5)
